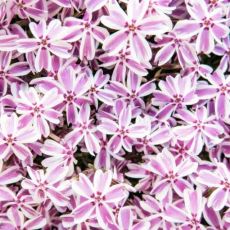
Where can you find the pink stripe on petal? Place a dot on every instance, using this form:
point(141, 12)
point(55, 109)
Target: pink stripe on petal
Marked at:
point(209, 178)
point(92, 143)
point(99, 33)
point(83, 187)
point(140, 47)
point(83, 211)
point(205, 41)
point(43, 59)
point(117, 41)
point(21, 151)
point(164, 54)
point(115, 143)
point(102, 181)
point(19, 69)
point(174, 214)
point(186, 28)
point(219, 31)
point(87, 47)
point(27, 45)
point(125, 218)
point(57, 197)
point(93, 5)
point(10, 175)
point(60, 48)
point(218, 199)
point(115, 194)
point(6, 194)
point(35, 223)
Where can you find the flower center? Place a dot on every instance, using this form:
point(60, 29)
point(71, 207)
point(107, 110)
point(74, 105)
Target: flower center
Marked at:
point(207, 22)
point(10, 139)
point(132, 27)
point(123, 131)
point(226, 184)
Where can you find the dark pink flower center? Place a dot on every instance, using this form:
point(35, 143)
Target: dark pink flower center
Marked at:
point(10, 139)
point(132, 27)
point(178, 98)
point(123, 132)
point(226, 184)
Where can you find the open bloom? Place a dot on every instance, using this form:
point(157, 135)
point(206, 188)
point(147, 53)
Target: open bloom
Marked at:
point(126, 220)
point(133, 28)
point(100, 198)
point(15, 220)
point(47, 39)
point(43, 186)
point(123, 62)
point(26, 9)
point(219, 179)
point(124, 132)
point(223, 50)
point(8, 42)
point(60, 154)
point(85, 129)
point(190, 217)
point(200, 127)
point(155, 212)
point(133, 92)
point(175, 93)
point(88, 32)
point(97, 92)
point(71, 89)
point(170, 174)
point(207, 22)
point(219, 91)
point(171, 44)
point(14, 137)
point(156, 136)
point(38, 110)
point(10, 73)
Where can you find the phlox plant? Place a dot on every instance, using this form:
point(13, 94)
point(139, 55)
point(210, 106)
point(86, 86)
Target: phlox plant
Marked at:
point(115, 114)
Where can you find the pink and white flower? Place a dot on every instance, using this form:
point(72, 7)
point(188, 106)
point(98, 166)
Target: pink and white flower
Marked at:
point(47, 39)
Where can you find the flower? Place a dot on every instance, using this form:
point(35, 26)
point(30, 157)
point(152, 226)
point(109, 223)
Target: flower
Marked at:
point(156, 211)
point(133, 28)
point(84, 129)
point(43, 186)
point(71, 89)
point(124, 132)
point(123, 62)
point(175, 93)
point(206, 22)
point(47, 39)
point(219, 179)
point(100, 198)
point(14, 137)
point(171, 43)
point(219, 91)
point(10, 73)
point(38, 110)
point(170, 174)
point(133, 92)
point(126, 221)
point(191, 216)
point(28, 8)
point(60, 154)
point(88, 31)
point(97, 92)
point(200, 127)
point(15, 220)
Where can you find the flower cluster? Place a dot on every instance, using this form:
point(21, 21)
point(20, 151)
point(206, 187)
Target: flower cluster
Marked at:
point(114, 114)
